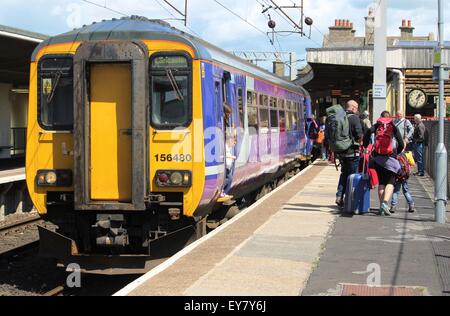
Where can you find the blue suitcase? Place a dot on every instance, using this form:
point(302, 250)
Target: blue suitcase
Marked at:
point(357, 196)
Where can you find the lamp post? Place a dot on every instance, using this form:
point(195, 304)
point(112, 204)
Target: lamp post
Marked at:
point(441, 151)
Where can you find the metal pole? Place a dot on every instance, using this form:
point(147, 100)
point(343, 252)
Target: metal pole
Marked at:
point(379, 60)
point(185, 12)
point(441, 151)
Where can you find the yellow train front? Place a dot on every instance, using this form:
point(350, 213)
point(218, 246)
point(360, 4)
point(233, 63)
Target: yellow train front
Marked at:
point(116, 152)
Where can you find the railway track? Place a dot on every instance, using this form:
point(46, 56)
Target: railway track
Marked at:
point(15, 224)
point(30, 275)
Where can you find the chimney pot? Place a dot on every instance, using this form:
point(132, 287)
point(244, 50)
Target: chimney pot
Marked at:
point(409, 23)
point(336, 22)
point(403, 23)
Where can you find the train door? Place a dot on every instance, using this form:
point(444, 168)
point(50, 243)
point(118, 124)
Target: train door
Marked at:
point(111, 110)
point(230, 135)
point(111, 132)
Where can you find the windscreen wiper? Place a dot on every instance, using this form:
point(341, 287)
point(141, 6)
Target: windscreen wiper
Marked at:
point(174, 84)
point(55, 86)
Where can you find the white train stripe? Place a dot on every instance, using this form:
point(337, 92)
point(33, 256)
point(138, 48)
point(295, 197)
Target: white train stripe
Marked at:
point(213, 170)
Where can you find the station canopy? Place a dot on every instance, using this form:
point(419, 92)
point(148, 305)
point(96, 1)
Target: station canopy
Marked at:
point(17, 47)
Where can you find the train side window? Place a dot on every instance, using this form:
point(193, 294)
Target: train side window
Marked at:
point(252, 119)
point(295, 125)
point(249, 97)
point(55, 97)
point(217, 101)
point(274, 120)
point(273, 103)
point(240, 94)
point(288, 120)
point(282, 121)
point(171, 104)
point(263, 115)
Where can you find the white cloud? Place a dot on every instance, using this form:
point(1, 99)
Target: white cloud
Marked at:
point(215, 24)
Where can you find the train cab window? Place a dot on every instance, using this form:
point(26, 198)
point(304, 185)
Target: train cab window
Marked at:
point(55, 98)
point(171, 104)
point(240, 95)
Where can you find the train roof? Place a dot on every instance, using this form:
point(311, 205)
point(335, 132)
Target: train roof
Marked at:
point(140, 28)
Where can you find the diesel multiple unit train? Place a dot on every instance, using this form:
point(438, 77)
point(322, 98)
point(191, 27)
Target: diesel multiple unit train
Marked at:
point(138, 131)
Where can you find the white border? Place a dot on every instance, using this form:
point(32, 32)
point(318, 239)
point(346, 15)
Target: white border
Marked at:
point(166, 264)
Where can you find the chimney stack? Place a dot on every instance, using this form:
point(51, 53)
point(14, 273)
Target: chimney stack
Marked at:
point(341, 32)
point(278, 68)
point(406, 31)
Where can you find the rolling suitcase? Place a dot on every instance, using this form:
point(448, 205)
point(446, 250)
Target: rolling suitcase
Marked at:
point(357, 196)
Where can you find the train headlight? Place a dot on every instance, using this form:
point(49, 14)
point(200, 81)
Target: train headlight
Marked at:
point(173, 178)
point(51, 178)
point(176, 178)
point(54, 178)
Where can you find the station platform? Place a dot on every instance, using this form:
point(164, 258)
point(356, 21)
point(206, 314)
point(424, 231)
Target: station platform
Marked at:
point(12, 170)
point(12, 175)
point(295, 242)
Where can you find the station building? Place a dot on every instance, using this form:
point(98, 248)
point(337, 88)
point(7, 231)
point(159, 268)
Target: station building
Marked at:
point(343, 69)
point(15, 55)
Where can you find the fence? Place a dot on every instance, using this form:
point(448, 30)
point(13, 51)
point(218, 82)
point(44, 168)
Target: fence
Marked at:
point(18, 141)
point(430, 161)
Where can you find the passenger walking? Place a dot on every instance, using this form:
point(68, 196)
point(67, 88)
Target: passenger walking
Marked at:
point(385, 157)
point(349, 143)
point(365, 121)
point(419, 142)
point(321, 141)
point(406, 130)
point(312, 132)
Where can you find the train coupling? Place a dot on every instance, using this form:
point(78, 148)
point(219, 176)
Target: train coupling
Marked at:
point(110, 231)
point(155, 199)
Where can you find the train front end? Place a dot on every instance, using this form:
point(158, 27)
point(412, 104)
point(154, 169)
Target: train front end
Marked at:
point(112, 159)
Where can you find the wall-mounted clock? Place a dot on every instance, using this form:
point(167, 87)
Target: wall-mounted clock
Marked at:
point(417, 98)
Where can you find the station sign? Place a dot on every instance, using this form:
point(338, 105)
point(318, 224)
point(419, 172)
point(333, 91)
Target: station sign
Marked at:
point(379, 91)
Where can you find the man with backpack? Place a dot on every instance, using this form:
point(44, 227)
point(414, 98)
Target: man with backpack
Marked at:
point(385, 157)
point(406, 130)
point(344, 135)
point(420, 141)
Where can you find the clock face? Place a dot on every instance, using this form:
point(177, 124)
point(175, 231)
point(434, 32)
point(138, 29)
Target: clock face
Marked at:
point(417, 99)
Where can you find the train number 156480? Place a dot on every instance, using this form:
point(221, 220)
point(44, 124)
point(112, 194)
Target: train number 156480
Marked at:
point(170, 158)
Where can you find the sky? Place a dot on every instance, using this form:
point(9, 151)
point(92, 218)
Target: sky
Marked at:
point(212, 22)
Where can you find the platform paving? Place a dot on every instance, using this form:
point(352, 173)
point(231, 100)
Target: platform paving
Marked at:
point(409, 250)
point(296, 242)
point(269, 251)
